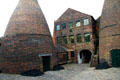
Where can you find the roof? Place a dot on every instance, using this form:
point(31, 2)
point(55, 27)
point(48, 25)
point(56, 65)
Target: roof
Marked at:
point(70, 14)
point(27, 18)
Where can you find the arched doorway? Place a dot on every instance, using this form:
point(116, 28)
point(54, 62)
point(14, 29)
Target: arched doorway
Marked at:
point(84, 56)
point(115, 57)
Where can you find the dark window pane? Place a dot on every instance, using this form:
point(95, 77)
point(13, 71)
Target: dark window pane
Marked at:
point(72, 54)
point(79, 38)
point(63, 26)
point(71, 30)
point(71, 39)
point(87, 37)
point(65, 40)
point(58, 40)
point(70, 25)
point(65, 56)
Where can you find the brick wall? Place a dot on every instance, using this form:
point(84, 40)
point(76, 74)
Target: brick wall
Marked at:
point(109, 29)
point(21, 52)
point(73, 15)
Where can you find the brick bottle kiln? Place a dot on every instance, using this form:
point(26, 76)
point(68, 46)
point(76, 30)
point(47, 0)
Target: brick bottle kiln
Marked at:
point(27, 43)
point(109, 48)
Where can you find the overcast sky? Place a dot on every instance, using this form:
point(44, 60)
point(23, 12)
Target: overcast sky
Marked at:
point(52, 10)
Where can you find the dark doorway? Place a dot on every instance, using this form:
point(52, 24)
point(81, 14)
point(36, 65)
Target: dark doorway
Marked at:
point(46, 63)
point(115, 56)
point(85, 55)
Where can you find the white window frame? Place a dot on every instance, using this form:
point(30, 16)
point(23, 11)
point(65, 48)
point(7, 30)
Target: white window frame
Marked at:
point(57, 27)
point(78, 23)
point(86, 21)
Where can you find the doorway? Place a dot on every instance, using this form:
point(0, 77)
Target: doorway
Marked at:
point(115, 57)
point(46, 63)
point(84, 56)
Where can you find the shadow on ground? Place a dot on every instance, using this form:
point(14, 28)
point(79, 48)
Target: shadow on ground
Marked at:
point(103, 65)
point(32, 73)
point(58, 67)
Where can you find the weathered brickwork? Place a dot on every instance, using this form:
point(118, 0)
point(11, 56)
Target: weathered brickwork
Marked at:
point(109, 29)
point(27, 18)
point(27, 40)
point(73, 15)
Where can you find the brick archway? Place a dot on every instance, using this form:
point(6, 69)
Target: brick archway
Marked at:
point(84, 56)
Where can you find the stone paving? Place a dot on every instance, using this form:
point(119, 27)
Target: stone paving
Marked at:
point(71, 72)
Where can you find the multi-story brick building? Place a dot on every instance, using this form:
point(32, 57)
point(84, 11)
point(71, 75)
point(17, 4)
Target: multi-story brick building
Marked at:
point(27, 43)
point(109, 33)
point(76, 33)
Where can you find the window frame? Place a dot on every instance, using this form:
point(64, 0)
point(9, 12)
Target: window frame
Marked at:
point(70, 24)
point(76, 22)
point(65, 56)
point(65, 42)
point(63, 25)
point(85, 40)
point(58, 29)
point(70, 37)
point(85, 23)
point(79, 35)
point(58, 40)
point(72, 54)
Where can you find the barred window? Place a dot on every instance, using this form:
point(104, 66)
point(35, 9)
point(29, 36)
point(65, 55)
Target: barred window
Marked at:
point(72, 54)
point(65, 40)
point(63, 26)
point(72, 39)
point(65, 56)
point(79, 38)
point(86, 22)
point(70, 24)
point(58, 40)
point(87, 37)
point(78, 23)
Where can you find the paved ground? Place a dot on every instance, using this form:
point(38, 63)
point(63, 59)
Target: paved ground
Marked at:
point(71, 72)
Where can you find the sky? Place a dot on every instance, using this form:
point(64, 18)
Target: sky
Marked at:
point(52, 10)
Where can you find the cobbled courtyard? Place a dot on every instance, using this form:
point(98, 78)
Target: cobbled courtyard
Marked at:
point(71, 72)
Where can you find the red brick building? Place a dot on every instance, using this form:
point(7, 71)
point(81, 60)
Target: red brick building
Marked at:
point(109, 33)
point(27, 43)
point(76, 33)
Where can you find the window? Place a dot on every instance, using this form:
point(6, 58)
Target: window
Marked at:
point(70, 24)
point(87, 37)
point(71, 30)
point(65, 40)
point(86, 21)
point(58, 40)
point(79, 38)
point(78, 23)
point(65, 56)
point(71, 39)
point(57, 27)
point(63, 26)
point(72, 54)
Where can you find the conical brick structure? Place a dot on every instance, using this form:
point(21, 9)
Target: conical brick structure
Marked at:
point(109, 30)
point(27, 18)
point(27, 43)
